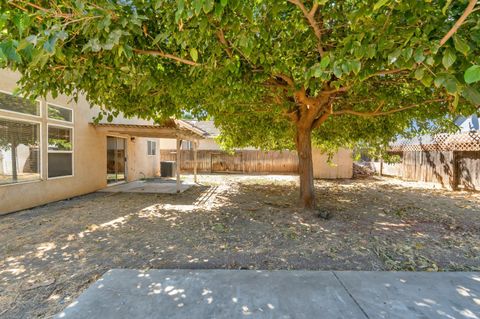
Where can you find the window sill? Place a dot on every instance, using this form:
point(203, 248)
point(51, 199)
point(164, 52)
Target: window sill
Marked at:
point(59, 177)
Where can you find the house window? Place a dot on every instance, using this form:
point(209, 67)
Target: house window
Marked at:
point(187, 145)
point(60, 113)
point(151, 148)
point(19, 151)
point(11, 103)
point(60, 151)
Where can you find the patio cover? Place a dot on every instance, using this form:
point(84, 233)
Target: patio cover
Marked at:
point(172, 129)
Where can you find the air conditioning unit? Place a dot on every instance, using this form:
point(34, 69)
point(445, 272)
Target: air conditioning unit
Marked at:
point(168, 168)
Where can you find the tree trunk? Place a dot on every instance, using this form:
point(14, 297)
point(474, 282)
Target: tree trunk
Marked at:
point(14, 162)
point(305, 167)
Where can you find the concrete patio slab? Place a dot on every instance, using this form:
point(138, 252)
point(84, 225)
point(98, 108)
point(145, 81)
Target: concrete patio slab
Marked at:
point(214, 294)
point(415, 294)
point(278, 294)
point(149, 187)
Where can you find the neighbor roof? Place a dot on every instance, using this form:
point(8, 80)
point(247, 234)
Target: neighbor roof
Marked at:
point(468, 124)
point(206, 126)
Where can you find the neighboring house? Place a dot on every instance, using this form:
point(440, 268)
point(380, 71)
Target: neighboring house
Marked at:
point(450, 160)
point(50, 150)
point(212, 159)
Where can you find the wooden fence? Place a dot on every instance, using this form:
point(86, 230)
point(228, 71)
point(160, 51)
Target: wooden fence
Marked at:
point(451, 169)
point(245, 161)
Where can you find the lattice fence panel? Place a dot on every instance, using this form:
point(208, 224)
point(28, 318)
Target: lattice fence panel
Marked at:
point(445, 142)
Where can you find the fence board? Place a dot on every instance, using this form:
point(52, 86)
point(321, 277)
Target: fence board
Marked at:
point(248, 161)
point(468, 165)
point(447, 168)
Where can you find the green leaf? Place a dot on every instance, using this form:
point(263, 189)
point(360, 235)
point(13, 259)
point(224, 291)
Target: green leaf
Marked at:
point(449, 58)
point(419, 74)
point(472, 95)
point(194, 54)
point(392, 57)
point(324, 62)
point(49, 45)
point(427, 80)
point(355, 66)
point(461, 45)
point(472, 74)
point(197, 6)
point(379, 4)
point(23, 44)
point(208, 5)
point(439, 80)
point(430, 60)
point(157, 39)
point(445, 7)
point(223, 2)
point(419, 56)
point(451, 85)
point(337, 70)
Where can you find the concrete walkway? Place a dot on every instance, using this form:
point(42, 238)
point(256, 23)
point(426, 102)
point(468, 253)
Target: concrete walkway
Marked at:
point(278, 294)
point(156, 186)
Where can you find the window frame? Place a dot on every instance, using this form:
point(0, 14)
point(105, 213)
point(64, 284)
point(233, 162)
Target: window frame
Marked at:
point(62, 107)
point(151, 148)
point(20, 113)
point(72, 151)
point(40, 146)
point(188, 145)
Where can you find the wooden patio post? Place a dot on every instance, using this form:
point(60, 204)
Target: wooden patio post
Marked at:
point(195, 148)
point(179, 143)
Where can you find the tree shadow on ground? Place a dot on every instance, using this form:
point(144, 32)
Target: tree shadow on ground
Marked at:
point(51, 253)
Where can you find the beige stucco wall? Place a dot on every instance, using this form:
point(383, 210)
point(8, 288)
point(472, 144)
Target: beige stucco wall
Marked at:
point(168, 144)
point(89, 156)
point(341, 165)
point(140, 164)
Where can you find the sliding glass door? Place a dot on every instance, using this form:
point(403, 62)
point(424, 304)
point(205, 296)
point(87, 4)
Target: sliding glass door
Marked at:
point(116, 159)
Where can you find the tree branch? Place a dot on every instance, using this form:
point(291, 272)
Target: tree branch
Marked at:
point(385, 72)
point(310, 16)
point(378, 113)
point(314, 9)
point(285, 78)
point(223, 41)
point(459, 22)
point(339, 90)
point(317, 122)
point(166, 55)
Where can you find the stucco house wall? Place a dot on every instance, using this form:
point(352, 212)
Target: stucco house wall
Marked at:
point(89, 155)
point(340, 166)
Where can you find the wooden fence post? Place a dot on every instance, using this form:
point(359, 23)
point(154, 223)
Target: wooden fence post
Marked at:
point(455, 176)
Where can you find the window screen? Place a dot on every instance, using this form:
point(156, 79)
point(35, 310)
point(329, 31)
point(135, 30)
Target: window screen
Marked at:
point(152, 148)
point(12, 103)
point(19, 151)
point(60, 113)
point(60, 151)
point(59, 138)
point(59, 164)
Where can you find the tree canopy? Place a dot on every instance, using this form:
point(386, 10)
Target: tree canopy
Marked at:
point(269, 72)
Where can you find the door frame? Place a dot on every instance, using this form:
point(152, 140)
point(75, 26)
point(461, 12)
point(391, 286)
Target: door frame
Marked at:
point(126, 159)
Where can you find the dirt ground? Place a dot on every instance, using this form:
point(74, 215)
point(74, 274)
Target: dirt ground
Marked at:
point(50, 254)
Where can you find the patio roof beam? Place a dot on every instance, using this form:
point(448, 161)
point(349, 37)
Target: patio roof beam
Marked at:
point(151, 131)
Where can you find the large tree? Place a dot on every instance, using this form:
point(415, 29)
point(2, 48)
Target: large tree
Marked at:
point(269, 72)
